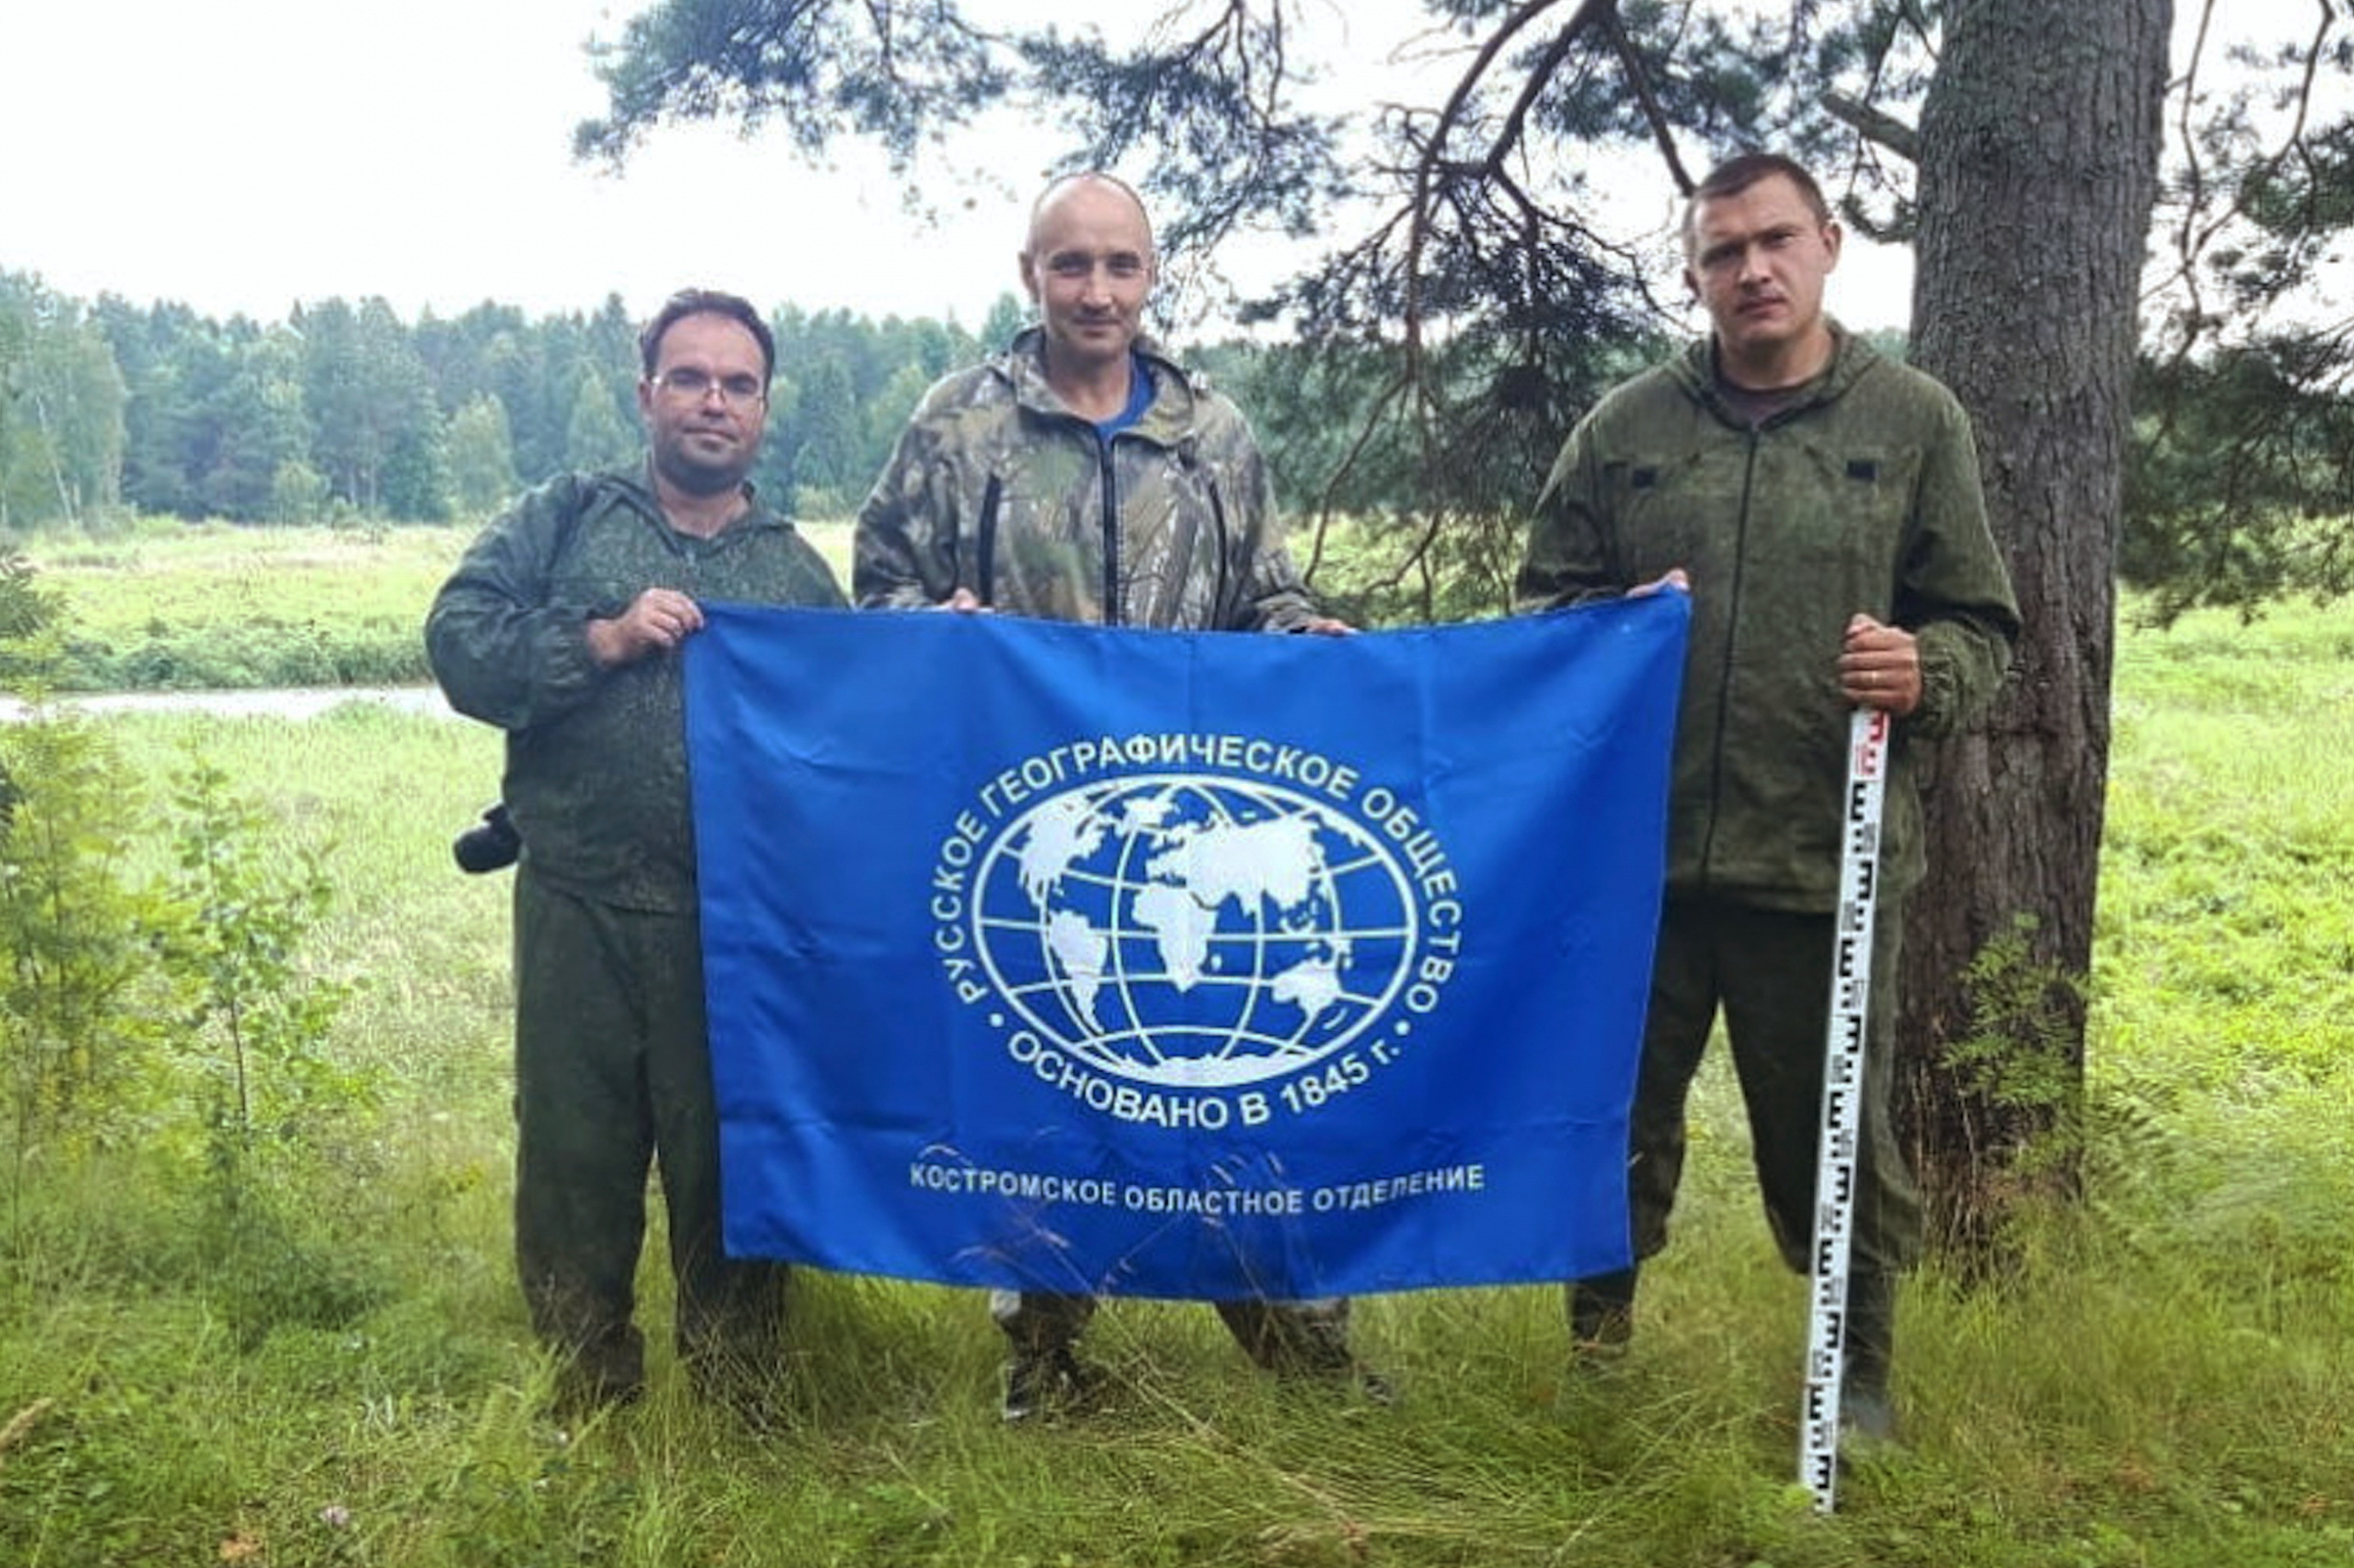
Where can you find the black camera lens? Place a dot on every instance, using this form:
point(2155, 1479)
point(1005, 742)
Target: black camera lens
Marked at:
point(490, 844)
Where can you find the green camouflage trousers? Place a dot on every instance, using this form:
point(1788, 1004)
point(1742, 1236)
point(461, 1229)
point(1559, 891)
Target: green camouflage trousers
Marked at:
point(1770, 971)
point(612, 1072)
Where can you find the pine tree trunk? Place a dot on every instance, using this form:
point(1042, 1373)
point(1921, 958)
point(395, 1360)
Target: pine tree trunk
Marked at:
point(2039, 153)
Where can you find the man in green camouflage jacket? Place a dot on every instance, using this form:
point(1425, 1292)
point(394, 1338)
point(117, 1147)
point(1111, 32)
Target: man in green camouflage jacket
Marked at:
point(1083, 475)
point(1822, 505)
point(562, 626)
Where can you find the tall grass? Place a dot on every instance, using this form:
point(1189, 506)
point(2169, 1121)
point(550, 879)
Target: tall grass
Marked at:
point(2164, 1381)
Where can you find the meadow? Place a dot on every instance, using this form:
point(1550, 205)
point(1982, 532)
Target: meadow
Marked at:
point(2165, 1380)
point(174, 606)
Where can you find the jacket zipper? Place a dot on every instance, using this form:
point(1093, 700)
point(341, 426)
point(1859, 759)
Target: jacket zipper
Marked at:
point(1723, 687)
point(1112, 533)
point(985, 549)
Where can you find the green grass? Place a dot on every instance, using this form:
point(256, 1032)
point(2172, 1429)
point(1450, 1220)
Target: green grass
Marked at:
point(208, 606)
point(215, 606)
point(2163, 1382)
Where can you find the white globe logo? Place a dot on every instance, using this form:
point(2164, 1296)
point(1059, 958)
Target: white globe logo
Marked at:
point(1205, 932)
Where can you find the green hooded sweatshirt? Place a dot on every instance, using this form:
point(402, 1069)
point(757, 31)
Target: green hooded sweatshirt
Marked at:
point(1861, 494)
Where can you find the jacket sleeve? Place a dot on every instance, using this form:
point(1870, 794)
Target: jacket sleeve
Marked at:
point(1954, 592)
point(903, 548)
point(1273, 598)
point(503, 647)
point(1568, 559)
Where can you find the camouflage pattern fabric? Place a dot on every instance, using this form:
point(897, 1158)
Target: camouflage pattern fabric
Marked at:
point(1862, 495)
point(595, 758)
point(613, 1066)
point(1769, 971)
point(996, 487)
point(613, 1062)
point(1859, 493)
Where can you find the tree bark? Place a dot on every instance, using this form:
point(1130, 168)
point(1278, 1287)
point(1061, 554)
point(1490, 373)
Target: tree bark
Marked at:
point(2039, 156)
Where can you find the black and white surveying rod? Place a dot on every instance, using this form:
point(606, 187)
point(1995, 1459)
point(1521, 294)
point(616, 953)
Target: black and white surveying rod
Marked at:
point(1843, 1102)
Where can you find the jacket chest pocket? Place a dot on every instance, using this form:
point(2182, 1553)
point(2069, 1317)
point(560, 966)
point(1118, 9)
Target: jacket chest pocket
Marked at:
point(1672, 509)
point(1845, 510)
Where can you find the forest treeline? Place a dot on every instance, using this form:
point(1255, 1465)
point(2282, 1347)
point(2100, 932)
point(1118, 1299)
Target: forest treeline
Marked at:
point(346, 413)
point(345, 409)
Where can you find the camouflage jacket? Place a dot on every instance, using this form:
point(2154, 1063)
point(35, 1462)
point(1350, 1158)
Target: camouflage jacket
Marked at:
point(595, 757)
point(996, 487)
point(1862, 496)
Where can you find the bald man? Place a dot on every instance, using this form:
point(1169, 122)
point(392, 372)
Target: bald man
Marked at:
point(1083, 475)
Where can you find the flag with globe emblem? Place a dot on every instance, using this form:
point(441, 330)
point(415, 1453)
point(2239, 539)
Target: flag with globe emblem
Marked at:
point(1182, 930)
point(1055, 956)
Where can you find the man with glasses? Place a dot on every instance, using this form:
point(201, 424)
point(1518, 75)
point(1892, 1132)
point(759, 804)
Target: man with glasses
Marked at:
point(1083, 475)
point(559, 626)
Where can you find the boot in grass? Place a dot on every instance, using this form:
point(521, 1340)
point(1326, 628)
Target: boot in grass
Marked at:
point(1866, 1407)
point(1601, 1319)
point(603, 1374)
point(1307, 1342)
point(1043, 1382)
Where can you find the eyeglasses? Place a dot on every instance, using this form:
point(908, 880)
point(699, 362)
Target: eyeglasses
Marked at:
point(693, 386)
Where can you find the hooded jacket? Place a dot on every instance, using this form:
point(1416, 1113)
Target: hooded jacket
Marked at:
point(998, 487)
point(596, 775)
point(1861, 496)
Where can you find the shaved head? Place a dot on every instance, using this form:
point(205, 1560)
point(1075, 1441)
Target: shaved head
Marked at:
point(1088, 267)
point(1085, 179)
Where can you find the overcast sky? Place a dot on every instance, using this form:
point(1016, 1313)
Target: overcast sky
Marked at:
point(243, 155)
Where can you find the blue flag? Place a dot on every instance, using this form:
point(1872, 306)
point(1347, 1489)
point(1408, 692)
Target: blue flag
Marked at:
point(1063, 957)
